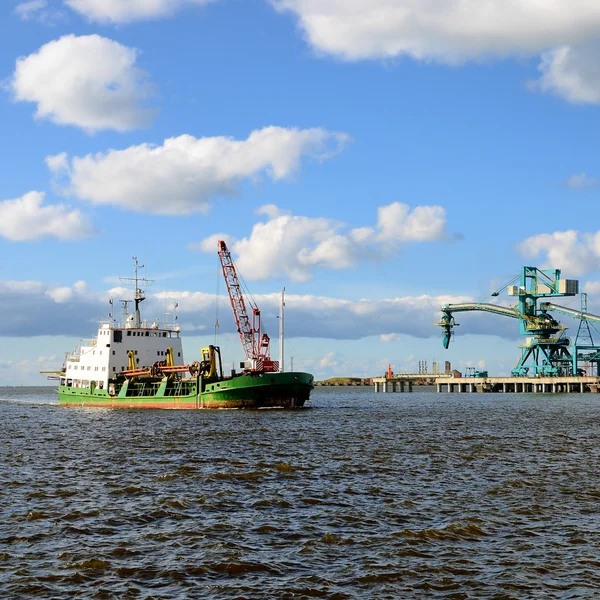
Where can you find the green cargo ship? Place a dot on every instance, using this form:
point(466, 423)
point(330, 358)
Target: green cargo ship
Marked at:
point(170, 390)
point(137, 364)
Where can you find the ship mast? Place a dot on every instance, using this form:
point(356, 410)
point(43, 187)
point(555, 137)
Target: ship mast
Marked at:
point(135, 319)
point(281, 356)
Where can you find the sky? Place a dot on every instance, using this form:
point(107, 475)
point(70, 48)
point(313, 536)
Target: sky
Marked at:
point(374, 158)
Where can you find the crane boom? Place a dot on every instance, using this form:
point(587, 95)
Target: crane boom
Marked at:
point(448, 323)
point(576, 314)
point(256, 347)
point(473, 306)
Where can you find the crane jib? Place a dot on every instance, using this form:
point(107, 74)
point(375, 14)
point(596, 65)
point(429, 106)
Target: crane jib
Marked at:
point(256, 346)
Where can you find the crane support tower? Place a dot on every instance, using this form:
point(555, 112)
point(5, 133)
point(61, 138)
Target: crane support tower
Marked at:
point(256, 346)
point(547, 351)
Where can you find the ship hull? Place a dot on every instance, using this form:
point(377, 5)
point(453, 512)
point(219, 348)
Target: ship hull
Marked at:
point(253, 391)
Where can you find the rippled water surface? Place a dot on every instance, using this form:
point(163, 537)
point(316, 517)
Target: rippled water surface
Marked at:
point(362, 495)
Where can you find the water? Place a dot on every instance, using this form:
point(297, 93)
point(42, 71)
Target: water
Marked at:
point(361, 496)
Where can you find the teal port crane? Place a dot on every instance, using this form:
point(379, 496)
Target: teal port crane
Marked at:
point(547, 351)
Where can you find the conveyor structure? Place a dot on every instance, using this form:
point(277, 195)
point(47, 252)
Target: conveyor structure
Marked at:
point(547, 351)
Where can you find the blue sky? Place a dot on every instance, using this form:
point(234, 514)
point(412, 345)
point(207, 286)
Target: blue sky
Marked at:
point(376, 158)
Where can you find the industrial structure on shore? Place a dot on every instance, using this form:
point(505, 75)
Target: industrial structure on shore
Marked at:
point(546, 351)
point(550, 361)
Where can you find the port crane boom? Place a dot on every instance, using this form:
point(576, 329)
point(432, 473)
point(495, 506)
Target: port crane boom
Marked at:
point(256, 346)
point(547, 350)
point(576, 314)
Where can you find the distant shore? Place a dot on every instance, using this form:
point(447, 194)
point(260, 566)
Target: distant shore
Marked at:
point(357, 382)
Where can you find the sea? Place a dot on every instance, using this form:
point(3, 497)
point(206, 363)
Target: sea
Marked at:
point(359, 495)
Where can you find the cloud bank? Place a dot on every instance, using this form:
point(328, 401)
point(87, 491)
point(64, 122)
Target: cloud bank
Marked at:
point(33, 307)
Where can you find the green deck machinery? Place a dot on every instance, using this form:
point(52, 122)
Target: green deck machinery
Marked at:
point(547, 351)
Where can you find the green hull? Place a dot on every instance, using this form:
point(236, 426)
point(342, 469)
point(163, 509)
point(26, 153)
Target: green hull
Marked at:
point(265, 390)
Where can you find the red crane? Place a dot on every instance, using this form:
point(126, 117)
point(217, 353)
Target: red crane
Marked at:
point(256, 347)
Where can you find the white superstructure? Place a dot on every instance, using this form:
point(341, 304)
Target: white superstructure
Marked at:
point(102, 358)
point(99, 360)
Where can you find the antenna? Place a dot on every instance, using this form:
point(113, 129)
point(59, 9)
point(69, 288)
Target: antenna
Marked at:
point(140, 294)
point(281, 354)
point(125, 311)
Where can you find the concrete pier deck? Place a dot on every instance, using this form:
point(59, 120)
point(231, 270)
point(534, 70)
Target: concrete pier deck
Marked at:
point(520, 385)
point(393, 384)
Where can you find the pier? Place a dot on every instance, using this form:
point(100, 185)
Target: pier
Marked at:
point(520, 385)
point(392, 384)
point(403, 382)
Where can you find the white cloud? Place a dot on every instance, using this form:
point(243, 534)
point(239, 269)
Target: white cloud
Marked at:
point(27, 10)
point(580, 181)
point(328, 361)
point(89, 81)
point(572, 73)
point(27, 218)
point(421, 224)
point(293, 246)
point(563, 32)
point(185, 174)
point(444, 30)
point(60, 295)
point(573, 252)
point(38, 10)
point(389, 337)
point(58, 163)
point(127, 11)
